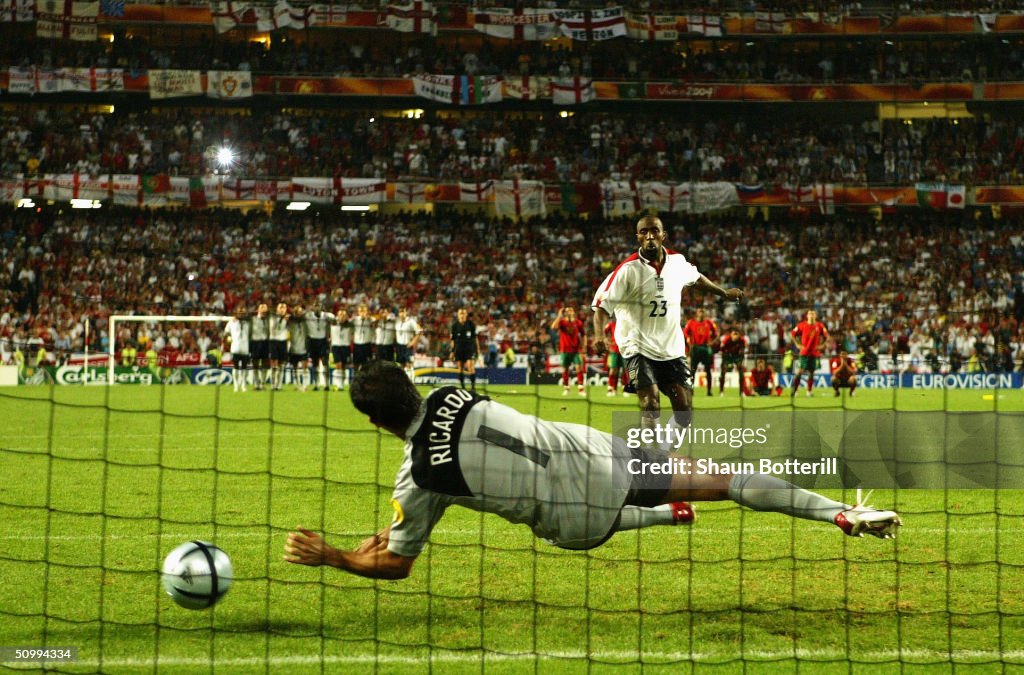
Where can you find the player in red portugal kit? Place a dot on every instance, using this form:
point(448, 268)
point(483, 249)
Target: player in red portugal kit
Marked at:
point(809, 336)
point(844, 373)
point(733, 348)
point(762, 379)
point(615, 363)
point(572, 342)
point(701, 333)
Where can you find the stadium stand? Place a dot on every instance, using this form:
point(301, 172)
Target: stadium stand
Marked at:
point(929, 294)
point(588, 146)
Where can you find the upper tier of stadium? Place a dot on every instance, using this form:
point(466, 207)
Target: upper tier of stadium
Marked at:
point(586, 147)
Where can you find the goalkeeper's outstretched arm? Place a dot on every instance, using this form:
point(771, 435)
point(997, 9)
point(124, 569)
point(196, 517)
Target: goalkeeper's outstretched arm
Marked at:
point(371, 559)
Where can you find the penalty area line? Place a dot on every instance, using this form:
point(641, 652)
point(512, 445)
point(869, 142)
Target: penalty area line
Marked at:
point(227, 533)
point(624, 657)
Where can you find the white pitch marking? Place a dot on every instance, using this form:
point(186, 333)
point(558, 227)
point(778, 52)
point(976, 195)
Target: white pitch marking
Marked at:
point(462, 532)
point(627, 657)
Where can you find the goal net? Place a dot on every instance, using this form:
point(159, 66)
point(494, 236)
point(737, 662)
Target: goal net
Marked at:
point(100, 483)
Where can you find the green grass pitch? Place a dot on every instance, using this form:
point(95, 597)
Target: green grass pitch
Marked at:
point(97, 484)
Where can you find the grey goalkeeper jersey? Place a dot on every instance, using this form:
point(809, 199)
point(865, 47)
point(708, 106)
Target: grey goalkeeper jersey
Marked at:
point(563, 480)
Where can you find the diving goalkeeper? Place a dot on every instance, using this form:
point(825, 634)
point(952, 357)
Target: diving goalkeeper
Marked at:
point(567, 482)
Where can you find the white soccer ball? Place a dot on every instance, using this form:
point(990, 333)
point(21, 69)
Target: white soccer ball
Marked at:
point(197, 574)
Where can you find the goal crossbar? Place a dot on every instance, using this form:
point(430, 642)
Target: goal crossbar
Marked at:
point(148, 318)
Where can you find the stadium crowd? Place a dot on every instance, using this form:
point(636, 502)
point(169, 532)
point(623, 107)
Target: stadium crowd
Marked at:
point(915, 284)
point(739, 59)
point(585, 147)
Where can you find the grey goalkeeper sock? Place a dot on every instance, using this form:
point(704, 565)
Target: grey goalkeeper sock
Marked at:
point(636, 517)
point(762, 492)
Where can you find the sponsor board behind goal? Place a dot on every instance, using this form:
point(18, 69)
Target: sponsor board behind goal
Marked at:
point(77, 374)
point(207, 375)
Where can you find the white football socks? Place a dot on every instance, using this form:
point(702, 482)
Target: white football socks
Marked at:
point(762, 492)
point(636, 517)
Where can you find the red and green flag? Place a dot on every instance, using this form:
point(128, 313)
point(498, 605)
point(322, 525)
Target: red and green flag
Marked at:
point(153, 185)
point(196, 193)
point(939, 196)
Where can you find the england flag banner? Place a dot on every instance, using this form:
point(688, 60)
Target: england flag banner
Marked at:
point(799, 194)
point(76, 186)
point(412, 17)
point(824, 195)
point(271, 190)
point(21, 80)
point(360, 191)
point(411, 193)
point(572, 90)
point(335, 15)
point(12, 190)
point(621, 197)
point(313, 190)
point(711, 26)
point(236, 189)
point(592, 25)
point(125, 189)
point(17, 11)
point(651, 26)
point(666, 197)
point(476, 192)
point(519, 199)
point(47, 81)
point(90, 79)
point(284, 15)
point(769, 22)
point(67, 19)
point(228, 14)
point(274, 17)
point(522, 23)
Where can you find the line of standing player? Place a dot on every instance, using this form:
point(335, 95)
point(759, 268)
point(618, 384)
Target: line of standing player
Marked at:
point(310, 342)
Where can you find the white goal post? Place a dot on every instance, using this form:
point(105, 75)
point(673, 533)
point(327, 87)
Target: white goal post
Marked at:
point(147, 318)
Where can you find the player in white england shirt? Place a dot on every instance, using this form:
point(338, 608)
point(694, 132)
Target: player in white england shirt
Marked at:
point(570, 484)
point(260, 344)
point(341, 347)
point(644, 294)
point(407, 332)
point(317, 324)
point(385, 337)
point(238, 332)
point(362, 336)
point(278, 344)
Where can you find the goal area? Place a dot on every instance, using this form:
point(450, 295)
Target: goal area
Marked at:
point(102, 482)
